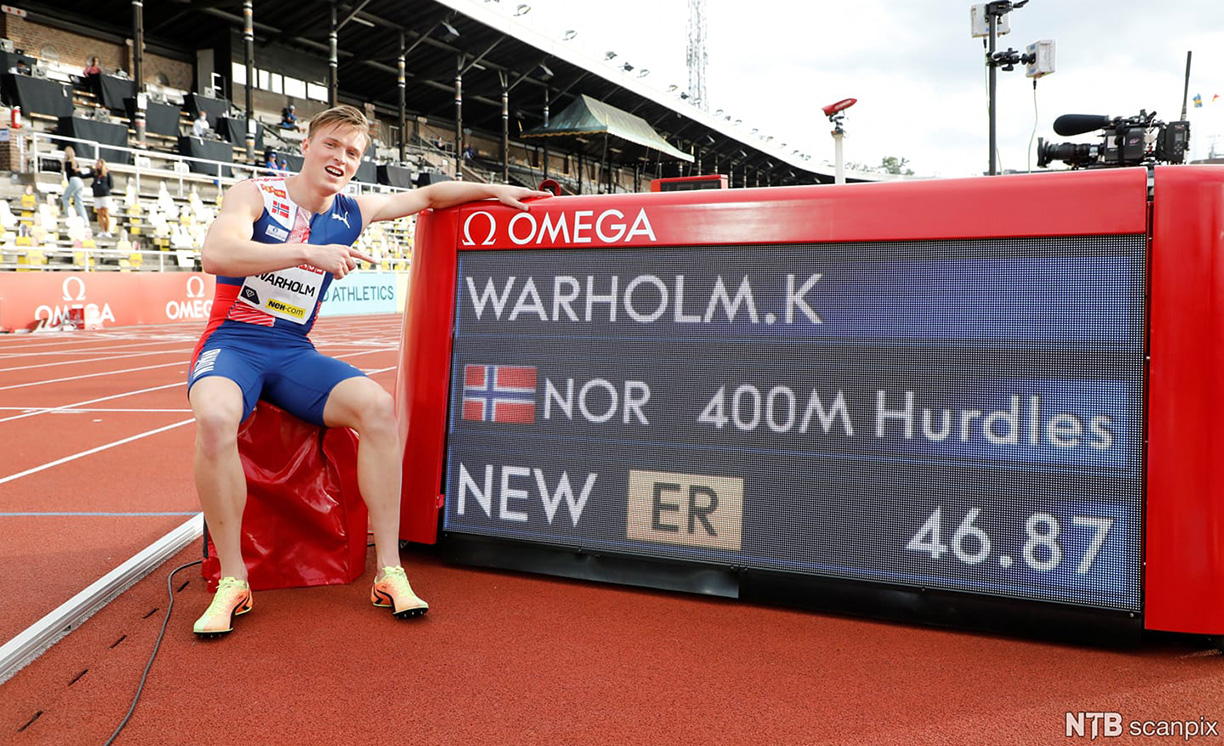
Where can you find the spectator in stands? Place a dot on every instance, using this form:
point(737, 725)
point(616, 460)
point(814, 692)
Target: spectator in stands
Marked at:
point(269, 285)
point(91, 77)
point(102, 186)
point(275, 165)
point(289, 118)
point(200, 127)
point(469, 153)
point(29, 200)
point(21, 68)
point(76, 185)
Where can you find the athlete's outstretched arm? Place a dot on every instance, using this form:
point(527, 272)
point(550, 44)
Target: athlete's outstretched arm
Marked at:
point(443, 194)
point(229, 249)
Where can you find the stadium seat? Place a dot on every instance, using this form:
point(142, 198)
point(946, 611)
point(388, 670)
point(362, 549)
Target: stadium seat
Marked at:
point(164, 201)
point(31, 260)
point(7, 219)
point(76, 229)
point(46, 219)
point(180, 238)
point(132, 261)
point(135, 216)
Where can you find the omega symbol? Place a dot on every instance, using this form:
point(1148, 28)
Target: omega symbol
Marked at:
point(467, 229)
point(67, 288)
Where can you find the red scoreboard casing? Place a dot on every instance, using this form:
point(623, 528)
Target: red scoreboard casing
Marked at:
point(1176, 213)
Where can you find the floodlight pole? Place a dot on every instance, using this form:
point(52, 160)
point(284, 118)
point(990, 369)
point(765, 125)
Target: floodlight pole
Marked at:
point(839, 133)
point(840, 173)
point(402, 82)
point(139, 120)
point(248, 52)
point(994, 11)
point(333, 62)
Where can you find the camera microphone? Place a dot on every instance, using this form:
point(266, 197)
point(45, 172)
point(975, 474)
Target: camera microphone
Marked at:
point(1077, 124)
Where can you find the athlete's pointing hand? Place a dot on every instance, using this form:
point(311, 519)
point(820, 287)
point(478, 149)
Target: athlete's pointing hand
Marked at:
point(337, 259)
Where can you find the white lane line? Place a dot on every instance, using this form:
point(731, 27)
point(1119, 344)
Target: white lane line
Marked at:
point(181, 364)
point(34, 640)
point(92, 360)
point(33, 411)
point(95, 514)
point(14, 351)
point(108, 348)
point(46, 410)
point(91, 451)
point(357, 354)
point(69, 409)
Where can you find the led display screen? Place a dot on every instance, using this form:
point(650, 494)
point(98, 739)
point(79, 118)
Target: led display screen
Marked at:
point(961, 415)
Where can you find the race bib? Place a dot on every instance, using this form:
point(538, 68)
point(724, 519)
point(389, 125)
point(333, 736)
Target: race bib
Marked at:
point(290, 294)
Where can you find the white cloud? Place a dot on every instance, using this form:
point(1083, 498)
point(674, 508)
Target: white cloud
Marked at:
point(919, 77)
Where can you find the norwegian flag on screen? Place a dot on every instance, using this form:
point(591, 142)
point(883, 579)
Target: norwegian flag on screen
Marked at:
point(499, 393)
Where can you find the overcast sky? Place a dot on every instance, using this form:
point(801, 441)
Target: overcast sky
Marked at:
point(917, 73)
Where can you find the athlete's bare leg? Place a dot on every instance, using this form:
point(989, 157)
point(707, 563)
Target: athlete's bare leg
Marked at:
point(365, 406)
point(220, 482)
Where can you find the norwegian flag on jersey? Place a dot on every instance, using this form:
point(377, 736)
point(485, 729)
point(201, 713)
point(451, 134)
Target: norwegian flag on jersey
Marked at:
point(499, 393)
point(280, 208)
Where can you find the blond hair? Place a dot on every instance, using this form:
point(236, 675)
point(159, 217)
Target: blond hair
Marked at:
point(340, 116)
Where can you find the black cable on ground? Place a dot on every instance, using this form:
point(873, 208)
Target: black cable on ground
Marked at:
point(156, 647)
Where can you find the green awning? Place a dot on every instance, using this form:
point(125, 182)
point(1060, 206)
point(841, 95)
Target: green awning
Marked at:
point(586, 116)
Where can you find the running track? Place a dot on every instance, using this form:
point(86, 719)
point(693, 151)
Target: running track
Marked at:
point(95, 466)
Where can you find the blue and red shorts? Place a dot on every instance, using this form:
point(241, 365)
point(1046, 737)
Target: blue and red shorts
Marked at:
point(283, 368)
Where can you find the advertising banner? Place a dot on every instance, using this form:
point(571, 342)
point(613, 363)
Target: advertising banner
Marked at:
point(362, 292)
point(111, 299)
point(126, 299)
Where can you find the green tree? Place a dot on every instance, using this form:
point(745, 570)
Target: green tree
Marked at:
point(890, 164)
point(894, 165)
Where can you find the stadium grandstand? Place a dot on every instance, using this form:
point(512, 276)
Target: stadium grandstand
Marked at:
point(454, 89)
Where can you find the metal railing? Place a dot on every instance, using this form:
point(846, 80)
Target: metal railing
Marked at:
point(98, 259)
point(37, 149)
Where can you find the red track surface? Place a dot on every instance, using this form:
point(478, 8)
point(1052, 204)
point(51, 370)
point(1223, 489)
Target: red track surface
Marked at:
point(500, 658)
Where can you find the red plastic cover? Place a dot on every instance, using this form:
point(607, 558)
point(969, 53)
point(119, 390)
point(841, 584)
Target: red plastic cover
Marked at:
point(305, 522)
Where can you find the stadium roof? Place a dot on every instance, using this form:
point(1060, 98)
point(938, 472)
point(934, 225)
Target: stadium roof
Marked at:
point(439, 38)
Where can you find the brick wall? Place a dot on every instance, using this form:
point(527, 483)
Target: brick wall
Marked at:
point(10, 159)
point(75, 50)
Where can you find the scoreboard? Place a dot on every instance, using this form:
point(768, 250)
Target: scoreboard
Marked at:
point(688, 183)
point(938, 386)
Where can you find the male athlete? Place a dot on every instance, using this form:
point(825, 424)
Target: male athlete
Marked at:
point(275, 247)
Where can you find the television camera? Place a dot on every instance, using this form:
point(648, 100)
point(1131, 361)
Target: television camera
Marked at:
point(1125, 141)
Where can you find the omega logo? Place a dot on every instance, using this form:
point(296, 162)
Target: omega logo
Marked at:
point(467, 229)
point(542, 228)
point(69, 282)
